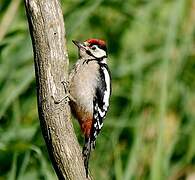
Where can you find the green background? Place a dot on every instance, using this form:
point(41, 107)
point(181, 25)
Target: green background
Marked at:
point(149, 132)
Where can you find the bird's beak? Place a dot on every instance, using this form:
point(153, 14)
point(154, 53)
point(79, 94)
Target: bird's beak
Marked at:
point(78, 44)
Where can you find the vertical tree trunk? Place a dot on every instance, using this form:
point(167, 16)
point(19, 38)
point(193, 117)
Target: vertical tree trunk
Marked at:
point(51, 65)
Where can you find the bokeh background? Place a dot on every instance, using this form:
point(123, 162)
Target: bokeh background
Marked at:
point(149, 132)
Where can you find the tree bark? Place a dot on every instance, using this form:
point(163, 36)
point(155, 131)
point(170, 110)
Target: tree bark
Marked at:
point(51, 68)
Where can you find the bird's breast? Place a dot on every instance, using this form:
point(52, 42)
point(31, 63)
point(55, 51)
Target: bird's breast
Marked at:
point(83, 83)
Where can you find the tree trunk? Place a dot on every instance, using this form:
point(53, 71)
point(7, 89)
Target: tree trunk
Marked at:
point(51, 66)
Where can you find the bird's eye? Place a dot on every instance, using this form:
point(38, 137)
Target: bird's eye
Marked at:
point(93, 47)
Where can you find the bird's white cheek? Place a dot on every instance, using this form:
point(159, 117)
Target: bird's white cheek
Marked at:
point(99, 53)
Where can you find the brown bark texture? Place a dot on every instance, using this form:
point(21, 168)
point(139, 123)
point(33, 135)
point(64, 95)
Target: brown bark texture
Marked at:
point(51, 68)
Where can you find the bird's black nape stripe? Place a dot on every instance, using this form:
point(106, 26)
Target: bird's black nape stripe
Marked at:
point(90, 54)
point(94, 58)
point(100, 46)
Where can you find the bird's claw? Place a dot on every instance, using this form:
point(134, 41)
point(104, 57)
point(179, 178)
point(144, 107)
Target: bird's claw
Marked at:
point(67, 96)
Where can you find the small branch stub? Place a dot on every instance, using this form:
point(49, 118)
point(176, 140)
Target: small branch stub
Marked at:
point(51, 64)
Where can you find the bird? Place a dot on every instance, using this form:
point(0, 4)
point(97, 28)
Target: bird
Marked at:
point(90, 87)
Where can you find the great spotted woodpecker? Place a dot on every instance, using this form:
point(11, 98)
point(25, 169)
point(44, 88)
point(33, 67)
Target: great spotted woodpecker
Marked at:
point(90, 87)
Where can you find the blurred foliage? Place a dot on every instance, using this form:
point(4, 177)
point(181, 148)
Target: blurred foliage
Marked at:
point(150, 129)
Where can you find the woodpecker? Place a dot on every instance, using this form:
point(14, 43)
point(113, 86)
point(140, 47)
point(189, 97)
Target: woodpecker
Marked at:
point(90, 87)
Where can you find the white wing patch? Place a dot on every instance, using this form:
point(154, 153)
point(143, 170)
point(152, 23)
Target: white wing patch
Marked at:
point(107, 92)
point(101, 103)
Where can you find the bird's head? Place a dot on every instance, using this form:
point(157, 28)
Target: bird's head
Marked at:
point(92, 49)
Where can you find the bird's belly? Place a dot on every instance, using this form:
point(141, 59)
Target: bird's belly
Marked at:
point(83, 86)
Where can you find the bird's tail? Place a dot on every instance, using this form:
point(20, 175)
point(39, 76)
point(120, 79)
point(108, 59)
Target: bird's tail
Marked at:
point(88, 146)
